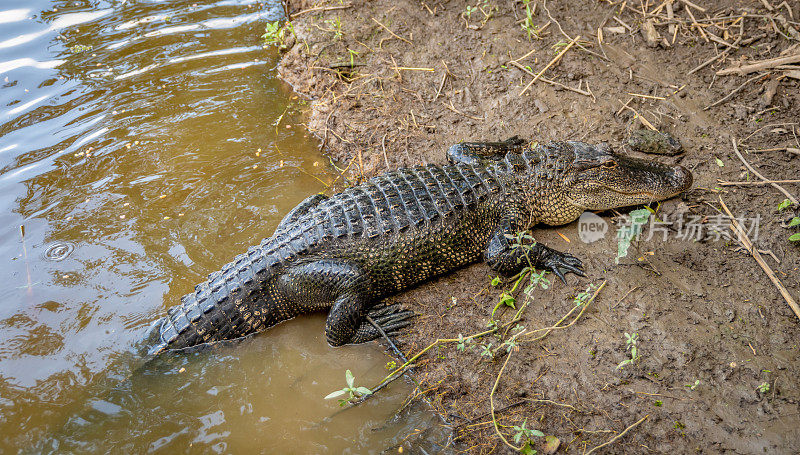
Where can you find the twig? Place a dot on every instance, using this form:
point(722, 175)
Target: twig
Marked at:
point(647, 96)
point(402, 368)
point(624, 106)
point(733, 92)
point(491, 402)
point(556, 325)
point(698, 8)
point(383, 145)
point(748, 244)
point(553, 61)
point(441, 85)
point(583, 48)
point(554, 403)
point(644, 120)
point(695, 24)
point(453, 108)
point(391, 32)
point(722, 54)
point(623, 297)
point(548, 81)
point(760, 65)
point(763, 182)
point(407, 68)
point(757, 174)
point(319, 8)
point(615, 438)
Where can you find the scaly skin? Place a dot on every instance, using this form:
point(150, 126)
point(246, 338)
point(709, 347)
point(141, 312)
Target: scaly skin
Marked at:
point(347, 252)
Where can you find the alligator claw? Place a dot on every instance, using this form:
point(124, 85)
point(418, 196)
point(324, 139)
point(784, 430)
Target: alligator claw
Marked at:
point(391, 318)
point(562, 263)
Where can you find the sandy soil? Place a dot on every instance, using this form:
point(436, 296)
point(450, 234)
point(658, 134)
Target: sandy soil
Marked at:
point(426, 76)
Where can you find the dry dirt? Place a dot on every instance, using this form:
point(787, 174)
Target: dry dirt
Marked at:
point(426, 76)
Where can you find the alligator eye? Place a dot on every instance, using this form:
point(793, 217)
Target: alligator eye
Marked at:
point(610, 164)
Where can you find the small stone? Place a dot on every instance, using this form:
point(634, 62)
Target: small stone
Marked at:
point(649, 141)
point(650, 34)
point(551, 445)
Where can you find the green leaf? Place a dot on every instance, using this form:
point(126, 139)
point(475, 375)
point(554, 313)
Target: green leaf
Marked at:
point(795, 221)
point(335, 394)
point(350, 379)
point(795, 237)
point(719, 162)
point(627, 233)
point(507, 299)
point(784, 204)
point(536, 433)
point(363, 391)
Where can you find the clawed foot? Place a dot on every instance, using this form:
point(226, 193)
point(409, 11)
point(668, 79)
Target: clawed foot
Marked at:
point(561, 263)
point(391, 318)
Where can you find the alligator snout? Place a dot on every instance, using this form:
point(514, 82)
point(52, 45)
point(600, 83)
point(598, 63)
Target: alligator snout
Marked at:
point(681, 179)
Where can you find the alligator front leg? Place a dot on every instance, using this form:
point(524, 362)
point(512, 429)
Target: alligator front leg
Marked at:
point(474, 152)
point(503, 258)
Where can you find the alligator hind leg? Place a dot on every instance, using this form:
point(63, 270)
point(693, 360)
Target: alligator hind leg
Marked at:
point(347, 321)
point(312, 286)
point(474, 152)
point(390, 318)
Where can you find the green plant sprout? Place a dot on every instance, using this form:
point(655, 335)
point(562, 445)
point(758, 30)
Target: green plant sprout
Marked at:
point(632, 345)
point(351, 390)
point(528, 434)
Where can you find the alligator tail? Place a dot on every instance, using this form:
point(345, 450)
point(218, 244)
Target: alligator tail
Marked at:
point(231, 303)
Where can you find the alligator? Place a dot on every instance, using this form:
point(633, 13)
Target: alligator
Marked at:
point(346, 252)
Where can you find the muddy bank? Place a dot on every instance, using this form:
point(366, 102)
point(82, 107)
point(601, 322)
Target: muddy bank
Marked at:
point(396, 83)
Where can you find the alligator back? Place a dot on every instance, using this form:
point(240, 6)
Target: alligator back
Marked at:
point(366, 224)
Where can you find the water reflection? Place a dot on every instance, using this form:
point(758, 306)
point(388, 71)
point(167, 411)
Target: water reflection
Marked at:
point(140, 149)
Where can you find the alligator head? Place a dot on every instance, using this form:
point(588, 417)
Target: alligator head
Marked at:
point(594, 177)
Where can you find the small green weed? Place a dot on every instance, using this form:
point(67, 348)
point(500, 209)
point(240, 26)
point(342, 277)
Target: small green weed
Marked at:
point(275, 33)
point(335, 27)
point(632, 345)
point(351, 390)
point(528, 434)
point(794, 222)
point(462, 343)
point(763, 387)
point(469, 10)
point(527, 24)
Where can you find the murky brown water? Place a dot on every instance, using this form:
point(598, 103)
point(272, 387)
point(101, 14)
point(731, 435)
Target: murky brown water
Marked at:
point(140, 148)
